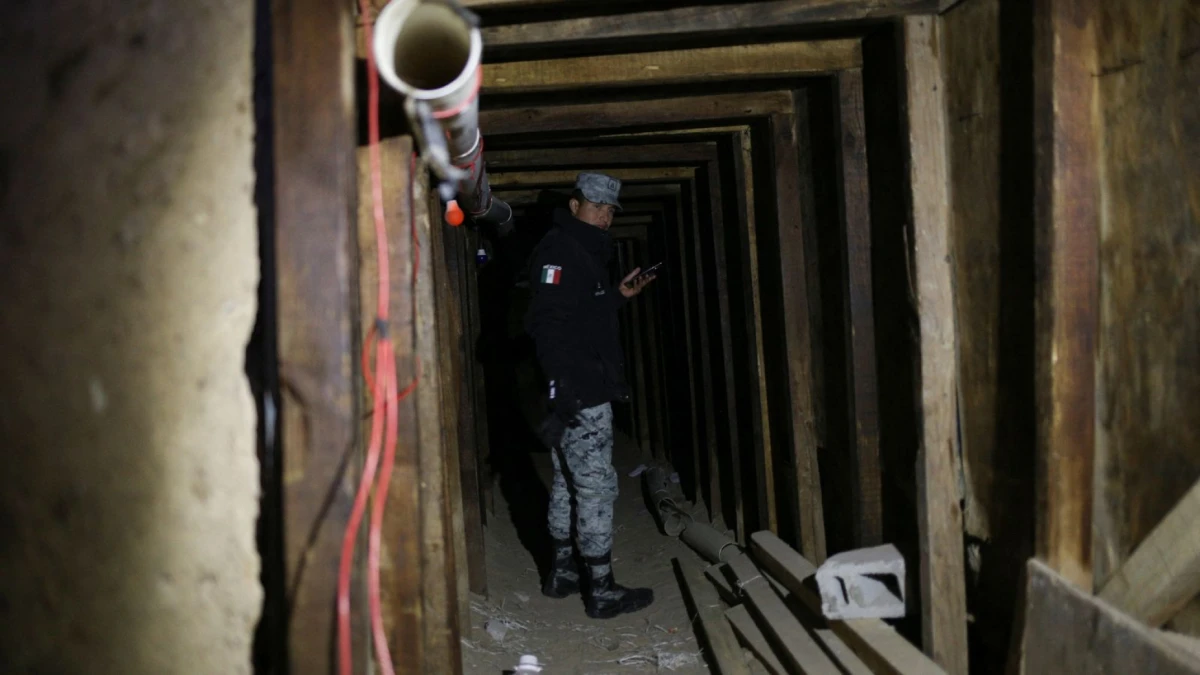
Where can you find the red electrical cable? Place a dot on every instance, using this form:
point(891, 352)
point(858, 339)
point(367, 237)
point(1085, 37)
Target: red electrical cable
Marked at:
point(386, 399)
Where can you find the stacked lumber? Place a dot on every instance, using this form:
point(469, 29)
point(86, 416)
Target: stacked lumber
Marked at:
point(760, 612)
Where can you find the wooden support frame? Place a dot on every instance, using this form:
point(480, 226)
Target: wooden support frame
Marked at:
point(316, 252)
point(1067, 262)
point(1067, 630)
point(862, 386)
point(503, 42)
point(780, 59)
point(943, 580)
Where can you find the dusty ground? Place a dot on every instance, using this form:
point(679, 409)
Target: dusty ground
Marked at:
point(657, 639)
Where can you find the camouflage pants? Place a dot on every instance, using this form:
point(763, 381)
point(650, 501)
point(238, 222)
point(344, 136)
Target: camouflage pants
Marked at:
point(589, 477)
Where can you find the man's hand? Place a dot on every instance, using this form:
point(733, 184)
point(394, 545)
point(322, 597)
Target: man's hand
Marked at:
point(630, 291)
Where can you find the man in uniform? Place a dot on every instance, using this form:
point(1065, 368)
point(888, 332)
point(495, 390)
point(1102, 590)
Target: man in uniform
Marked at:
point(573, 321)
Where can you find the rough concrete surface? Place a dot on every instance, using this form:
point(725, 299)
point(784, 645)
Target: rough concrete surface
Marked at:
point(128, 268)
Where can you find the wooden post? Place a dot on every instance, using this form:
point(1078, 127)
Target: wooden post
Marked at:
point(1067, 269)
point(316, 249)
point(783, 248)
point(943, 583)
point(862, 388)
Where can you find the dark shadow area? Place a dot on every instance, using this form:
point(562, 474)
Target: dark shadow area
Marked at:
point(514, 384)
point(270, 645)
point(896, 320)
point(999, 587)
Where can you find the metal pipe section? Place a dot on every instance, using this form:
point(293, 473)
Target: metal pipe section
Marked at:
point(431, 52)
point(711, 544)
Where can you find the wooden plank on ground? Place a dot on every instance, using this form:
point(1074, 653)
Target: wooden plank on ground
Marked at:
point(751, 636)
point(717, 575)
point(796, 645)
point(611, 115)
point(943, 579)
point(705, 607)
point(1066, 218)
point(1163, 574)
point(316, 253)
point(876, 643)
point(791, 257)
point(686, 21)
point(862, 387)
point(677, 66)
point(1070, 631)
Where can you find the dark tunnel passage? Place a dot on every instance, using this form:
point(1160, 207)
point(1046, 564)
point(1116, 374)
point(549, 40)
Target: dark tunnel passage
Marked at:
point(761, 351)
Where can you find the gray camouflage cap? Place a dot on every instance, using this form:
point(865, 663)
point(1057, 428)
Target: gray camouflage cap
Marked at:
point(599, 188)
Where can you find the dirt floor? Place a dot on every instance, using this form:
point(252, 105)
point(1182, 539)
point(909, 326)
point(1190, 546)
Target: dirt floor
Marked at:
point(523, 621)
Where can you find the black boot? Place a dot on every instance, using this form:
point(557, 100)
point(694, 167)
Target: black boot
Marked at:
point(606, 598)
point(563, 580)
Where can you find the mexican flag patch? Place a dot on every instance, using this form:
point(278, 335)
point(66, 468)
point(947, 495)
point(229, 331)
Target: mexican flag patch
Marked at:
point(551, 274)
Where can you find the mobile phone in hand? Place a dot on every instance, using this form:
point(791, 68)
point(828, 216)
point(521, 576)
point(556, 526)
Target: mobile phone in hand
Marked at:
point(643, 274)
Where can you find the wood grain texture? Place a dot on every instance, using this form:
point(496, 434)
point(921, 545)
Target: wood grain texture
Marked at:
point(1148, 88)
point(446, 312)
point(679, 66)
point(549, 177)
point(752, 636)
point(629, 115)
point(862, 385)
point(585, 156)
point(1069, 631)
point(943, 579)
point(316, 250)
point(1067, 232)
point(796, 646)
point(1163, 574)
point(685, 21)
point(747, 248)
point(400, 565)
point(706, 609)
point(783, 246)
point(875, 642)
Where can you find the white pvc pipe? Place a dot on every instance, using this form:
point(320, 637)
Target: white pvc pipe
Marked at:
point(429, 52)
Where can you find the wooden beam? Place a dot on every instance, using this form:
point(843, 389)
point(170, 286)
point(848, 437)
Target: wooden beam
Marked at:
point(629, 115)
point(876, 643)
point(560, 177)
point(705, 608)
point(784, 249)
point(1069, 631)
point(943, 579)
point(652, 25)
point(400, 565)
point(747, 250)
point(1163, 574)
point(601, 155)
point(796, 645)
point(455, 259)
point(1067, 276)
point(686, 66)
point(752, 636)
point(862, 387)
point(316, 250)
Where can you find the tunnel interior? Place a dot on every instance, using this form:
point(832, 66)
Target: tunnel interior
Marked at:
point(777, 338)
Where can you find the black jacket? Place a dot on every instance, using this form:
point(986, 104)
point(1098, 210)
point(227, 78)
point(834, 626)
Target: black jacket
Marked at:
point(573, 314)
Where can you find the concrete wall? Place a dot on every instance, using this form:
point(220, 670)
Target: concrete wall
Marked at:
point(128, 268)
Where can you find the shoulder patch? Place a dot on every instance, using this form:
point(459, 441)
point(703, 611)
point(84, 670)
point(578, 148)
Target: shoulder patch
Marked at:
point(551, 274)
